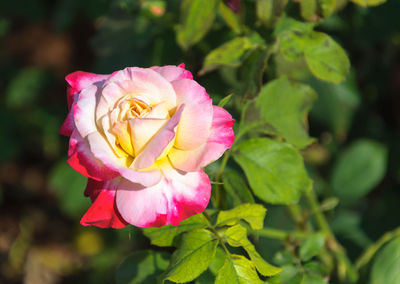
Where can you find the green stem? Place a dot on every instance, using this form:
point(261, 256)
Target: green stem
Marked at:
point(217, 193)
point(345, 267)
point(370, 251)
point(278, 234)
point(212, 228)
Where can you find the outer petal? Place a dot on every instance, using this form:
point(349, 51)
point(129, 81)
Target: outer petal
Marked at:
point(103, 213)
point(172, 72)
point(160, 141)
point(102, 151)
point(221, 138)
point(68, 126)
point(142, 83)
point(81, 159)
point(80, 80)
point(84, 111)
point(194, 128)
point(176, 197)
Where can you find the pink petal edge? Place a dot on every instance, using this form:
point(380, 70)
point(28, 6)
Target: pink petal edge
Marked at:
point(176, 197)
point(103, 212)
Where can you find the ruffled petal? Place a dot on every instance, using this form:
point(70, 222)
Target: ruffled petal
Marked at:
point(142, 83)
point(81, 159)
point(80, 80)
point(84, 111)
point(176, 197)
point(103, 212)
point(68, 126)
point(103, 152)
point(194, 128)
point(221, 138)
point(142, 131)
point(172, 72)
point(159, 143)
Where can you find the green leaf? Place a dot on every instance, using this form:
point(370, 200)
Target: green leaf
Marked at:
point(232, 19)
point(327, 7)
point(237, 237)
point(312, 246)
point(196, 251)
point(218, 261)
point(308, 9)
point(69, 186)
point(197, 17)
point(268, 11)
point(359, 169)
point(368, 3)
point(290, 275)
point(251, 72)
point(141, 267)
point(275, 170)
point(253, 214)
point(164, 236)
point(231, 53)
point(285, 106)
point(225, 100)
point(309, 278)
point(236, 187)
point(326, 59)
point(386, 265)
point(237, 269)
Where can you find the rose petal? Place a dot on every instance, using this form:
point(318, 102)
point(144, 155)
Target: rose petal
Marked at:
point(103, 212)
point(80, 80)
point(194, 128)
point(103, 152)
point(81, 159)
point(84, 111)
point(68, 126)
point(160, 141)
point(221, 138)
point(144, 84)
point(143, 130)
point(176, 197)
point(172, 72)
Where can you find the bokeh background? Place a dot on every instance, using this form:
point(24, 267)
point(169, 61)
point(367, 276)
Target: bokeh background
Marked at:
point(356, 123)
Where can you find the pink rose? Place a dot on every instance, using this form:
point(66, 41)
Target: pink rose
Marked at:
point(142, 137)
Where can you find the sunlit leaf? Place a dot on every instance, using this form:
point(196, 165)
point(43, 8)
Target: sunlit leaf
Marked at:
point(197, 16)
point(326, 59)
point(193, 256)
point(237, 237)
point(231, 53)
point(252, 213)
point(237, 270)
point(275, 170)
point(233, 20)
point(285, 105)
point(386, 265)
point(366, 3)
point(164, 236)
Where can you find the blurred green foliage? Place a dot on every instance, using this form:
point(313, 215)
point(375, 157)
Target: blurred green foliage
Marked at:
point(280, 59)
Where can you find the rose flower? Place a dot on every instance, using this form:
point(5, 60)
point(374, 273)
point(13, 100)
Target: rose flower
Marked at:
point(142, 137)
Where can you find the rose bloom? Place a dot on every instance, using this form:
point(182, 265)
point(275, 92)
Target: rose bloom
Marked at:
point(142, 137)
